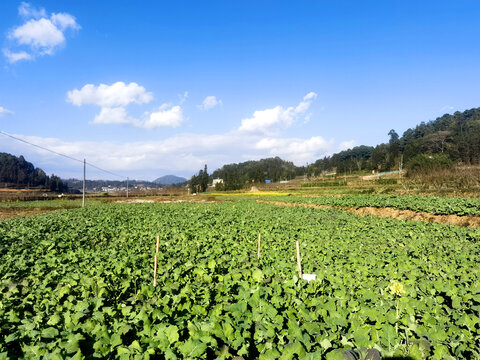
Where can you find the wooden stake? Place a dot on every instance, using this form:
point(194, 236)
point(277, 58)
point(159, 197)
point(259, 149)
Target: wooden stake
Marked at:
point(299, 260)
point(155, 263)
point(258, 246)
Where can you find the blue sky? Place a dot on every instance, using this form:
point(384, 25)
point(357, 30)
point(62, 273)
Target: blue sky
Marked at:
point(150, 88)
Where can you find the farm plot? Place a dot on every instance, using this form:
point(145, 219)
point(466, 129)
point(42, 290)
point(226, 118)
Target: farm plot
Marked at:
point(430, 204)
point(78, 284)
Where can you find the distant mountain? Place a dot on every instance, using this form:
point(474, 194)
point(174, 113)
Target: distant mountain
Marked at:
point(169, 180)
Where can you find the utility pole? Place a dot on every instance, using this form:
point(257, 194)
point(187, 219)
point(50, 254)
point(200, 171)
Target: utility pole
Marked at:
point(84, 172)
point(127, 187)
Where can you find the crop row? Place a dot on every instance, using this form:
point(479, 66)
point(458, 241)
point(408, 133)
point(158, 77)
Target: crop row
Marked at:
point(431, 204)
point(78, 283)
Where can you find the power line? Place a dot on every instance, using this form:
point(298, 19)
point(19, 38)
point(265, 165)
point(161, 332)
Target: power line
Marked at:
point(40, 147)
point(60, 154)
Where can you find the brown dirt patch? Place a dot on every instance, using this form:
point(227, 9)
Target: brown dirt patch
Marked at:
point(9, 213)
point(465, 221)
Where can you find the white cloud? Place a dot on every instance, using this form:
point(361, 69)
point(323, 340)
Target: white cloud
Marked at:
point(64, 21)
point(39, 35)
point(166, 115)
point(209, 103)
point(117, 94)
point(4, 112)
point(297, 150)
point(264, 121)
point(112, 116)
point(183, 153)
point(13, 57)
point(27, 11)
point(305, 104)
point(114, 98)
point(345, 145)
point(271, 121)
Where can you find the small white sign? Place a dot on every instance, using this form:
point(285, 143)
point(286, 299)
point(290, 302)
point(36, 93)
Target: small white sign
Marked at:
point(309, 277)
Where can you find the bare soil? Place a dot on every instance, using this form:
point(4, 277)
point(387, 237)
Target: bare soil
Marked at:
point(6, 213)
point(465, 221)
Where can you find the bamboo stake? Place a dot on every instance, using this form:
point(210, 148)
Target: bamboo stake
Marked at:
point(299, 260)
point(258, 246)
point(155, 263)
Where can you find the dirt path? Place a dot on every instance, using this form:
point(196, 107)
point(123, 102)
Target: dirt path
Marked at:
point(465, 221)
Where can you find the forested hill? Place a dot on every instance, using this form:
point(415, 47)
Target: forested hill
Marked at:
point(16, 171)
point(456, 136)
point(274, 169)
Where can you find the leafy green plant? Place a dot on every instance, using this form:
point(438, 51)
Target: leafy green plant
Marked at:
point(78, 283)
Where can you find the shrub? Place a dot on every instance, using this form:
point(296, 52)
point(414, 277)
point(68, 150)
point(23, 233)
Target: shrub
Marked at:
point(426, 163)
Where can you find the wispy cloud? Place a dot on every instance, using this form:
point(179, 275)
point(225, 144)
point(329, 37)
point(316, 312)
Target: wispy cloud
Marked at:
point(209, 103)
point(447, 108)
point(183, 97)
point(27, 11)
point(39, 35)
point(5, 112)
point(345, 145)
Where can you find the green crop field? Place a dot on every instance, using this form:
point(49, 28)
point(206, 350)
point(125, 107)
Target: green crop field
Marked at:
point(79, 283)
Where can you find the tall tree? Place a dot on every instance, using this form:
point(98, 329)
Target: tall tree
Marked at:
point(199, 183)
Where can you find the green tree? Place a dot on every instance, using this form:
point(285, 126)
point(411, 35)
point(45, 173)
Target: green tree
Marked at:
point(199, 183)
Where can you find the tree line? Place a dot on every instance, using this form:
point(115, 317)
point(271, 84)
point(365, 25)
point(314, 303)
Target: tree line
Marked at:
point(454, 137)
point(449, 139)
point(17, 172)
point(237, 176)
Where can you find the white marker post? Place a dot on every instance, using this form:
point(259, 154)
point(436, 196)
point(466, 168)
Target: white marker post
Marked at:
point(258, 246)
point(155, 263)
point(308, 277)
point(299, 260)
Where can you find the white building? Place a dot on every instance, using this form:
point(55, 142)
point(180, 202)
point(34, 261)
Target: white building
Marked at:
point(217, 181)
